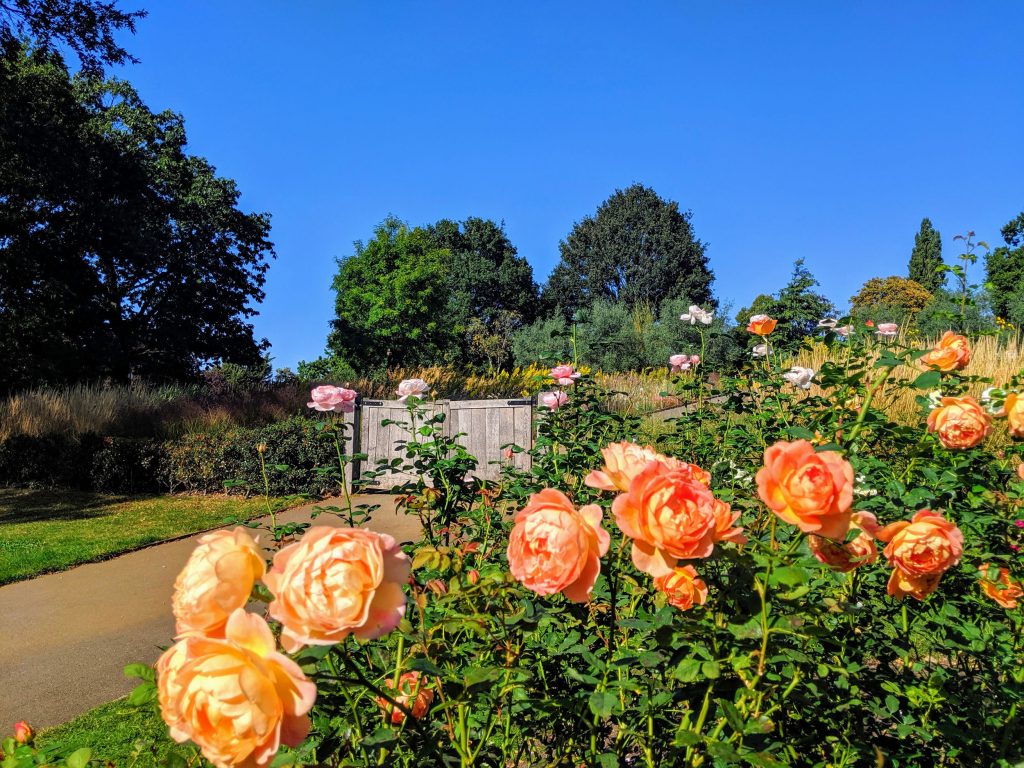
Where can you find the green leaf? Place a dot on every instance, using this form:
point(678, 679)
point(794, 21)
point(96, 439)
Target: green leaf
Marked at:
point(141, 671)
point(602, 703)
point(928, 380)
point(380, 737)
point(79, 758)
point(789, 575)
point(712, 670)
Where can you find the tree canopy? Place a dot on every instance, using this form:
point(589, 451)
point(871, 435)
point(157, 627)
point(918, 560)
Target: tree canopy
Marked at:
point(87, 27)
point(121, 255)
point(797, 307)
point(391, 301)
point(896, 297)
point(638, 249)
point(926, 265)
point(1004, 268)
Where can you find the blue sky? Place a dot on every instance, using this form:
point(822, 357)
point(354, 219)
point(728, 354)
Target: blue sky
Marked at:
point(821, 130)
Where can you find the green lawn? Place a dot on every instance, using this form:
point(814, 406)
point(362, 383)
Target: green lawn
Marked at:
point(118, 732)
point(44, 531)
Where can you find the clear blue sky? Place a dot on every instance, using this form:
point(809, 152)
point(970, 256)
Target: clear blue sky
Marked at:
point(823, 130)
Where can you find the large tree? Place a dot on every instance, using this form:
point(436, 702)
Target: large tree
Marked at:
point(391, 301)
point(491, 287)
point(926, 264)
point(121, 255)
point(1004, 268)
point(638, 248)
point(797, 307)
point(87, 27)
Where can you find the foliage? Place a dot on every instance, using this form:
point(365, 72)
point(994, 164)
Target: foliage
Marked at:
point(638, 249)
point(87, 27)
point(391, 301)
point(1004, 272)
point(947, 311)
point(48, 531)
point(491, 287)
point(891, 299)
point(122, 255)
point(797, 308)
point(926, 265)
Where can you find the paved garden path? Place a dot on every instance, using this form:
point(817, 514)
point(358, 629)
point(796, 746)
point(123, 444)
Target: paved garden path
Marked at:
point(65, 637)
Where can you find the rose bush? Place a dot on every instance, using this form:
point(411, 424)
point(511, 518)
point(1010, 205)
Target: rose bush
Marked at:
point(788, 578)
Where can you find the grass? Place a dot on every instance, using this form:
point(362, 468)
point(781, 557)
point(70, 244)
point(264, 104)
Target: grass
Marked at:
point(42, 531)
point(111, 731)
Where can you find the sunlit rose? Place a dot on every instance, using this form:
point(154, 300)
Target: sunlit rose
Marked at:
point(725, 528)
point(761, 325)
point(414, 693)
point(960, 422)
point(23, 732)
point(888, 330)
point(1013, 408)
point(328, 398)
point(554, 547)
point(564, 375)
point(1002, 589)
point(827, 323)
point(759, 351)
point(669, 516)
point(623, 461)
point(844, 330)
point(952, 353)
point(679, 363)
point(813, 491)
point(862, 550)
point(696, 315)
point(553, 400)
point(334, 582)
point(412, 388)
point(799, 377)
point(217, 579)
point(683, 588)
point(236, 698)
point(920, 551)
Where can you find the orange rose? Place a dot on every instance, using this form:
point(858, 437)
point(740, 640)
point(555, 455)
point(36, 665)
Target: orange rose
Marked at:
point(952, 353)
point(1003, 590)
point(669, 516)
point(813, 491)
point(624, 461)
point(853, 554)
point(761, 325)
point(413, 693)
point(23, 732)
point(335, 582)
point(920, 551)
point(237, 698)
point(683, 588)
point(217, 579)
point(554, 547)
point(1014, 411)
point(724, 519)
point(960, 422)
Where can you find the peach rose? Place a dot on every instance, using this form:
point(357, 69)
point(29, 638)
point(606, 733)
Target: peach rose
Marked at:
point(237, 698)
point(553, 400)
point(683, 588)
point(328, 398)
point(920, 551)
point(564, 375)
point(1003, 590)
point(724, 519)
point(413, 693)
point(853, 554)
point(217, 579)
point(335, 582)
point(554, 547)
point(959, 422)
point(669, 516)
point(761, 325)
point(813, 491)
point(23, 732)
point(623, 461)
point(1013, 409)
point(952, 353)
point(412, 388)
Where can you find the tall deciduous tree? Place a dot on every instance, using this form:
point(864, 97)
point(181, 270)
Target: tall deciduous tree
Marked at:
point(87, 27)
point(638, 248)
point(1004, 268)
point(391, 302)
point(926, 264)
point(491, 287)
point(121, 255)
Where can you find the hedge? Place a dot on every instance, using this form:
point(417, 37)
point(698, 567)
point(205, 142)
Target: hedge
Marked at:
point(197, 463)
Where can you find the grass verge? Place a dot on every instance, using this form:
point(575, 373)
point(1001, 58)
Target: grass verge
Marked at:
point(43, 531)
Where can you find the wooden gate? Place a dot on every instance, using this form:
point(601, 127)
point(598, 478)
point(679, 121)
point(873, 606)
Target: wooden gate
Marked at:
point(482, 426)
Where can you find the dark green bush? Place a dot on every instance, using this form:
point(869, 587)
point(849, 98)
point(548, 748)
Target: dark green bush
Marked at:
point(47, 461)
point(127, 465)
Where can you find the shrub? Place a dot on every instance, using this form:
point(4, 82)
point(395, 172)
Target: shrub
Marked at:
point(127, 465)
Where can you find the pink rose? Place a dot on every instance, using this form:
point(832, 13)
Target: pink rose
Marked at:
point(679, 363)
point(694, 359)
point(337, 399)
point(888, 330)
point(412, 388)
point(564, 375)
point(553, 400)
